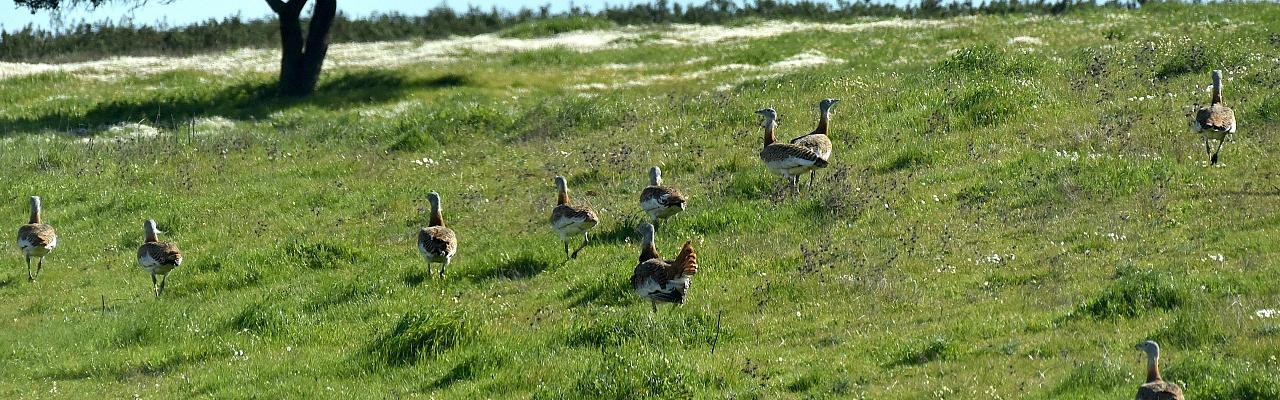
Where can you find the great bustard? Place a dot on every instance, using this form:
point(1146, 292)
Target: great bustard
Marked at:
point(1215, 121)
point(660, 202)
point(437, 242)
point(36, 239)
point(157, 257)
point(1156, 388)
point(785, 159)
point(818, 141)
point(569, 220)
point(661, 280)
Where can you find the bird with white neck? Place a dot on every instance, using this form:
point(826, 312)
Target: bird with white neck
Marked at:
point(36, 239)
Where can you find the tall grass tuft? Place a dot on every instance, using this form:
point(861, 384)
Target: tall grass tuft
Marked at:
point(418, 336)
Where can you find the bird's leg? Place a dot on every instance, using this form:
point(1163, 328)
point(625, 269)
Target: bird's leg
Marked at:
point(812, 176)
point(566, 247)
point(584, 245)
point(443, 265)
point(39, 265)
point(29, 277)
point(655, 306)
point(1214, 159)
point(155, 287)
point(163, 280)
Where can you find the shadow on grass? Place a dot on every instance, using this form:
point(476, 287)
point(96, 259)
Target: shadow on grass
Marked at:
point(614, 291)
point(522, 267)
point(240, 101)
point(471, 368)
point(628, 227)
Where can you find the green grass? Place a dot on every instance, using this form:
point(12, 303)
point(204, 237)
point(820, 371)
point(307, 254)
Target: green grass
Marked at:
point(999, 220)
point(555, 25)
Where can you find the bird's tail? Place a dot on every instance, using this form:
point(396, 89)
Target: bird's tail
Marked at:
point(687, 261)
point(820, 163)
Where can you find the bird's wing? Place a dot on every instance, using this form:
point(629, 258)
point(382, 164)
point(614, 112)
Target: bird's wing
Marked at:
point(437, 240)
point(1216, 118)
point(662, 195)
point(1159, 390)
point(37, 235)
point(648, 273)
point(566, 214)
point(163, 253)
point(790, 156)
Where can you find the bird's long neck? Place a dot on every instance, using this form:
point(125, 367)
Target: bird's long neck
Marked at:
point(35, 212)
point(1217, 89)
point(151, 234)
point(436, 218)
point(647, 250)
point(823, 120)
point(564, 195)
point(1153, 367)
point(769, 126)
point(655, 178)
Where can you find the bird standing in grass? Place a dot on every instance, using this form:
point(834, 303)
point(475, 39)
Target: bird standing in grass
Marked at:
point(660, 202)
point(36, 239)
point(818, 141)
point(785, 159)
point(1156, 388)
point(569, 220)
point(158, 258)
point(661, 280)
point(1216, 121)
point(437, 242)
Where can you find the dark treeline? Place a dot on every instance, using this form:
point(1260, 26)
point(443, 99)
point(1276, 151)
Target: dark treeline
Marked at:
point(96, 40)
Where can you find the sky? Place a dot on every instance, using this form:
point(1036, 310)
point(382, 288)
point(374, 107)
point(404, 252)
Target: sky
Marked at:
point(182, 12)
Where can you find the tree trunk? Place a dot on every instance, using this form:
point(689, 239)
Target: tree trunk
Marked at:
point(301, 58)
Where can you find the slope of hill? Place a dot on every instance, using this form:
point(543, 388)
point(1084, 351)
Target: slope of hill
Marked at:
point(1013, 203)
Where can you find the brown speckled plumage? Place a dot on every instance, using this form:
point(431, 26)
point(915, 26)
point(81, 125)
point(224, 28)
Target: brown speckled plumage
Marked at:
point(36, 239)
point(437, 242)
point(1216, 121)
point(660, 202)
point(1155, 387)
point(785, 159)
point(659, 280)
point(568, 219)
point(156, 257)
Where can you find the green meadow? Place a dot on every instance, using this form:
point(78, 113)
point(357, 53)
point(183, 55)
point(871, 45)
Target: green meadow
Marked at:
point(1012, 204)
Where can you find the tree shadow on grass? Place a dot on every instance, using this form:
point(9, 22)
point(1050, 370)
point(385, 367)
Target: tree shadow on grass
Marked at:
point(242, 101)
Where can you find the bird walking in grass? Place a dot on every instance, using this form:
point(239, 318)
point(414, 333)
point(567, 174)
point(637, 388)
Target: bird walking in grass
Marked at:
point(570, 220)
point(660, 202)
point(437, 242)
point(785, 159)
point(1216, 121)
point(36, 239)
point(1156, 388)
point(659, 280)
point(158, 258)
point(818, 141)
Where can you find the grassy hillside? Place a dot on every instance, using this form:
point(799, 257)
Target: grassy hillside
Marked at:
point(1014, 202)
